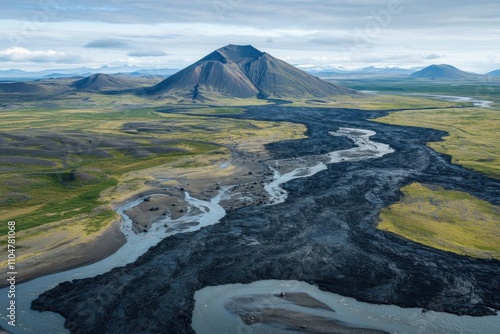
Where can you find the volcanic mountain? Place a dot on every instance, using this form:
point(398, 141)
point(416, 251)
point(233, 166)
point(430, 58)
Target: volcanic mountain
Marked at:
point(244, 72)
point(100, 82)
point(443, 72)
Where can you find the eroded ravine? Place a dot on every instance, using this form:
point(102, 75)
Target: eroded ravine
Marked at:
point(323, 234)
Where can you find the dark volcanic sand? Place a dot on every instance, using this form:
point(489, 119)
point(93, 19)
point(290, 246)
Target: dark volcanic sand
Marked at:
point(323, 234)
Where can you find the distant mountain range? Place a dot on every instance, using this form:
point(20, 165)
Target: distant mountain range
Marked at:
point(95, 83)
point(432, 71)
point(366, 72)
point(16, 74)
point(244, 72)
point(136, 71)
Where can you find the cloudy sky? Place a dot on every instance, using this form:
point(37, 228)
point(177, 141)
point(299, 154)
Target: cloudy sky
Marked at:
point(41, 34)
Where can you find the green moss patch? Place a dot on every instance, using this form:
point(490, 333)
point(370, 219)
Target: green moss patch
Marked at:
point(453, 221)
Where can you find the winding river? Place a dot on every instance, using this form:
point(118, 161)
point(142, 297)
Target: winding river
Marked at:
point(210, 301)
point(29, 321)
point(478, 103)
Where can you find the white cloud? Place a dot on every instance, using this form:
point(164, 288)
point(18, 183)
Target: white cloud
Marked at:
point(341, 33)
point(18, 54)
point(147, 53)
point(432, 56)
point(81, 8)
point(106, 43)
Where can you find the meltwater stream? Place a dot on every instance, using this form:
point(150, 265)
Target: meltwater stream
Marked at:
point(365, 149)
point(478, 103)
point(29, 321)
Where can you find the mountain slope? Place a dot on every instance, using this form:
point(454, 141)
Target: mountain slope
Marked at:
point(42, 87)
point(495, 73)
point(22, 87)
point(443, 72)
point(209, 75)
point(243, 72)
point(103, 82)
point(274, 77)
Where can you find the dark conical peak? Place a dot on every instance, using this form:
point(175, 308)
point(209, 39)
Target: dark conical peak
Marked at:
point(239, 53)
point(242, 71)
point(442, 71)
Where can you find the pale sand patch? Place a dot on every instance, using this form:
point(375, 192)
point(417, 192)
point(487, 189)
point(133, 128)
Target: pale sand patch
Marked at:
point(156, 207)
point(299, 322)
point(53, 248)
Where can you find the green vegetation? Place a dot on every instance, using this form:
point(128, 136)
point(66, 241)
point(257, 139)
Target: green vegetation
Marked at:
point(58, 158)
point(59, 202)
point(448, 220)
point(488, 90)
point(473, 134)
point(100, 219)
point(392, 102)
point(206, 110)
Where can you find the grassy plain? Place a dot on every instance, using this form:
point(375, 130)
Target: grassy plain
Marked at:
point(380, 102)
point(485, 90)
point(472, 139)
point(448, 220)
point(61, 159)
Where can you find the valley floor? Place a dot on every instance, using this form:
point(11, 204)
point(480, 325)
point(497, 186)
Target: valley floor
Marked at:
point(65, 203)
point(328, 219)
